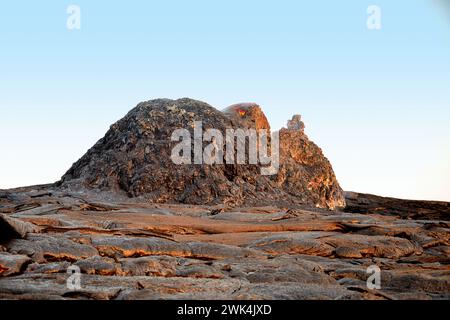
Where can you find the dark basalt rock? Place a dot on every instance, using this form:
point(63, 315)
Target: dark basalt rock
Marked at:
point(134, 159)
point(406, 209)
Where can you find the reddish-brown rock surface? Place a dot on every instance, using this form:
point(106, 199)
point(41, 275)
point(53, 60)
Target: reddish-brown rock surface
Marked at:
point(304, 171)
point(137, 250)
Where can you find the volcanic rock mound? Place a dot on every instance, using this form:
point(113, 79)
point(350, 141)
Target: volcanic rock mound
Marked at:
point(304, 172)
point(134, 158)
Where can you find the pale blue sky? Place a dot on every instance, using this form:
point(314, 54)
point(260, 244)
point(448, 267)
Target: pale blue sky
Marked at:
point(376, 102)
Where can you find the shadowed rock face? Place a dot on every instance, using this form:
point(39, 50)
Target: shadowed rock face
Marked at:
point(405, 209)
point(133, 159)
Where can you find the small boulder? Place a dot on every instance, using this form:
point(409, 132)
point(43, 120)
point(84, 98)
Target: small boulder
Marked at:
point(11, 228)
point(11, 264)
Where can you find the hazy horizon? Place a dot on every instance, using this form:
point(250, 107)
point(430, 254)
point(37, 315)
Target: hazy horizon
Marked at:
point(375, 101)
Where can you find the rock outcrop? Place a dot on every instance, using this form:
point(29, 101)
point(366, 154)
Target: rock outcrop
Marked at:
point(134, 159)
point(406, 209)
point(304, 171)
point(11, 228)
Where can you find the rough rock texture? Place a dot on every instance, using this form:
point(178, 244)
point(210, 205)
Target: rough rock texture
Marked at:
point(304, 172)
point(11, 264)
point(133, 159)
point(296, 123)
point(137, 226)
point(138, 250)
point(11, 228)
point(412, 209)
point(248, 113)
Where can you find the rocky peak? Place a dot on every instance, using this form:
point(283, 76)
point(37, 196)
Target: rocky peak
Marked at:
point(134, 159)
point(249, 113)
point(296, 123)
